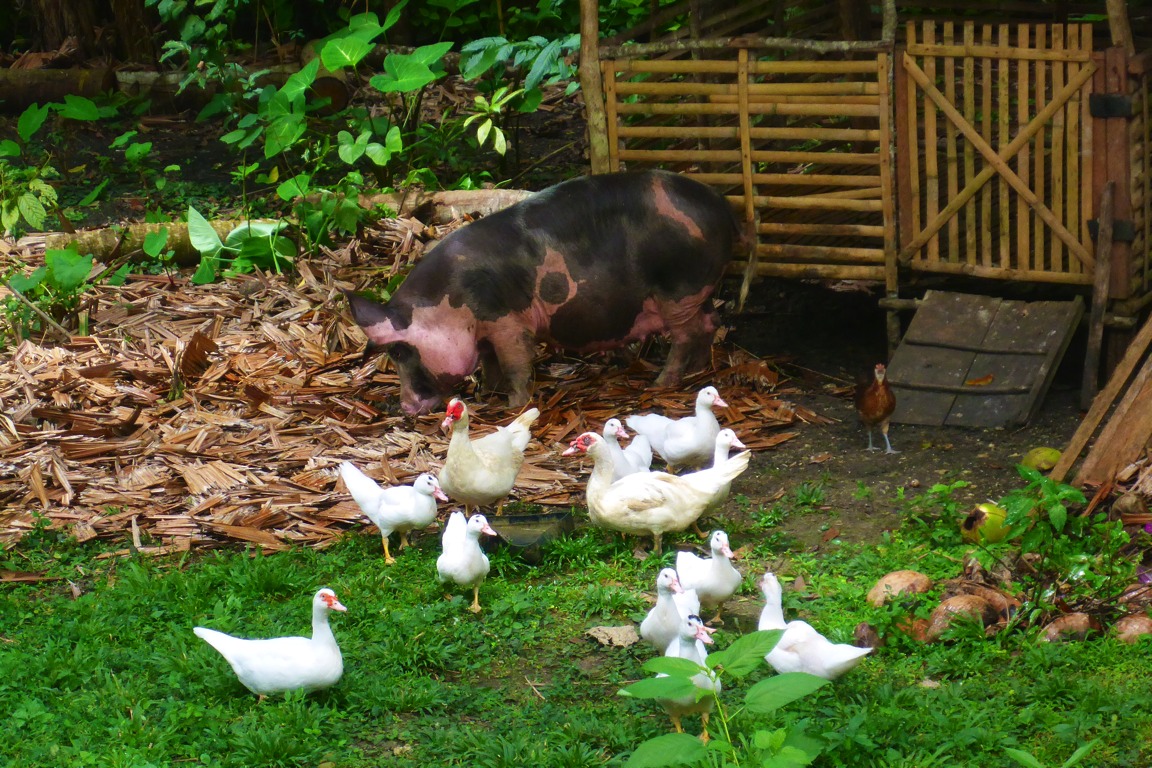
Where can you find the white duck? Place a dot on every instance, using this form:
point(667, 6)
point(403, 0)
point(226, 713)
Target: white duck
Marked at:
point(687, 442)
point(462, 561)
point(714, 578)
point(483, 471)
point(397, 509)
point(637, 457)
point(673, 604)
point(285, 663)
point(802, 648)
point(648, 502)
point(689, 644)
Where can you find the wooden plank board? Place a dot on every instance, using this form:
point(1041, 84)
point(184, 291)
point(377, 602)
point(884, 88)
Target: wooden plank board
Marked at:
point(979, 361)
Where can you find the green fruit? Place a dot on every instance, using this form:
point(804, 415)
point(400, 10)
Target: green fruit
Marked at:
point(985, 523)
point(1041, 459)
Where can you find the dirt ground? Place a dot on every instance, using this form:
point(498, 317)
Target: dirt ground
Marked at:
point(826, 339)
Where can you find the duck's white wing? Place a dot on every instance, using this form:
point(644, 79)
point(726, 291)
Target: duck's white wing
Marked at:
point(455, 532)
point(365, 491)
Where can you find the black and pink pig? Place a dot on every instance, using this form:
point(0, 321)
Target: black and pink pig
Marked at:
point(589, 264)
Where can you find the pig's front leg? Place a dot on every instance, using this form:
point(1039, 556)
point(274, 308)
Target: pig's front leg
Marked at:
point(691, 325)
point(508, 360)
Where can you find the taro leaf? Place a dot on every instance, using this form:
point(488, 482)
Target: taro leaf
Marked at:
point(403, 73)
point(9, 148)
point(202, 236)
point(771, 693)
point(300, 80)
point(661, 688)
point(137, 150)
point(670, 749)
point(206, 272)
point(67, 268)
point(747, 652)
point(350, 150)
point(344, 52)
point(282, 133)
point(30, 121)
point(154, 242)
point(79, 108)
point(431, 54)
point(22, 284)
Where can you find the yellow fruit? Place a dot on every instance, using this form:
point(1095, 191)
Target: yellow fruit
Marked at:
point(985, 523)
point(1041, 459)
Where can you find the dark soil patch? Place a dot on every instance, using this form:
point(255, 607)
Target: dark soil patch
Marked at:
point(826, 339)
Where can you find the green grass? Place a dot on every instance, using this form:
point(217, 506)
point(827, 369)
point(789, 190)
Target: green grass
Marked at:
point(115, 677)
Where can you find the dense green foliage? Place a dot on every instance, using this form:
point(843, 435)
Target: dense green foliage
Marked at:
point(115, 677)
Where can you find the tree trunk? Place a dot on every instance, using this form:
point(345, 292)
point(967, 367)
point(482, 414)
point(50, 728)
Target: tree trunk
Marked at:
point(61, 19)
point(133, 32)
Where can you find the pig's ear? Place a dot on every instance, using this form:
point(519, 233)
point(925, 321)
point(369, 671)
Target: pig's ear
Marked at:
point(374, 318)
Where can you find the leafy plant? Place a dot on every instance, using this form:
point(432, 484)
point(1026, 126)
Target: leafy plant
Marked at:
point(490, 113)
point(255, 244)
point(728, 747)
point(51, 293)
point(1029, 761)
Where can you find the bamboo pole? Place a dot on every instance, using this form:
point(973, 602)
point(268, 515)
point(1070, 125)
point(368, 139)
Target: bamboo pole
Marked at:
point(1018, 275)
point(756, 68)
point(591, 85)
point(612, 116)
point(1003, 92)
point(823, 254)
point(1041, 146)
point(1023, 213)
point(746, 173)
point(985, 130)
point(777, 43)
point(912, 102)
point(1056, 158)
point(951, 159)
point(1072, 147)
point(888, 199)
point(819, 202)
point(1002, 51)
point(825, 109)
point(1100, 283)
point(971, 212)
point(931, 151)
point(846, 88)
point(830, 230)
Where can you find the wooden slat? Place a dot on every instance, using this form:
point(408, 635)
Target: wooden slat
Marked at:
point(833, 230)
point(951, 164)
point(757, 90)
point(1002, 51)
point(608, 76)
point(931, 151)
point(822, 254)
point(1023, 212)
point(884, 75)
point(821, 109)
point(985, 124)
point(1056, 157)
point(971, 212)
point(715, 67)
point(1040, 154)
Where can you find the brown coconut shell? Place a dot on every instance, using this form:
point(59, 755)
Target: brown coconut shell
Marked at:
point(960, 606)
point(1136, 596)
point(1131, 628)
point(1005, 604)
point(866, 636)
point(898, 583)
point(1130, 505)
point(1070, 626)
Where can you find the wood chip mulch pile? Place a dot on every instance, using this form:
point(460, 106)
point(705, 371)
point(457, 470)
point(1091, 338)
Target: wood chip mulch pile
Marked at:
point(203, 416)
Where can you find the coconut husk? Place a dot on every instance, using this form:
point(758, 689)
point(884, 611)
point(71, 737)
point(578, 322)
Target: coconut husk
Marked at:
point(898, 583)
point(1131, 628)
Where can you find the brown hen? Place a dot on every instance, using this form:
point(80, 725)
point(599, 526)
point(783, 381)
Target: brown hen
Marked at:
point(875, 403)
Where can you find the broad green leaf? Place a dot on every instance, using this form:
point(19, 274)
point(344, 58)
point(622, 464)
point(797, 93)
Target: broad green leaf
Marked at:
point(9, 215)
point(344, 52)
point(137, 151)
point(788, 757)
point(771, 693)
point(253, 229)
point(402, 73)
point(1058, 516)
point(672, 665)
point(477, 65)
point(394, 15)
point(301, 80)
point(1079, 754)
point(670, 749)
point(154, 242)
point(67, 268)
point(747, 652)
point(206, 272)
point(24, 284)
point(203, 238)
point(482, 131)
point(544, 64)
point(1024, 758)
point(431, 54)
point(122, 139)
point(9, 148)
point(282, 134)
point(295, 187)
point(94, 195)
point(350, 150)
point(31, 209)
point(346, 217)
point(660, 688)
point(78, 108)
point(30, 121)
point(499, 141)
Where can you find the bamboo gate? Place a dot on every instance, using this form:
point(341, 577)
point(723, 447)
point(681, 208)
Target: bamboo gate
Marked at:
point(972, 149)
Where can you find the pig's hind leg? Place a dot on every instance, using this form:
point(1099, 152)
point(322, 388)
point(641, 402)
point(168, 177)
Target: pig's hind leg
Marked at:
point(691, 325)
